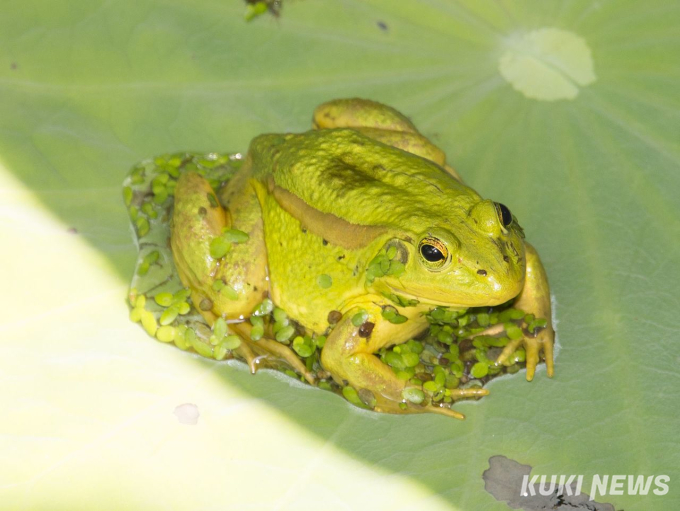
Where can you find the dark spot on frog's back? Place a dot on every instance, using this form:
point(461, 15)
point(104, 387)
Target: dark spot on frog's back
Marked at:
point(366, 329)
point(334, 317)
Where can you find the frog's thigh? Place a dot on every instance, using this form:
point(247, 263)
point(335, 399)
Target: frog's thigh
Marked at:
point(382, 123)
point(356, 113)
point(198, 219)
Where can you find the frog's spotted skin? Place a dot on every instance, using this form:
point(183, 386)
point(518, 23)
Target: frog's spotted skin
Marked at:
point(359, 232)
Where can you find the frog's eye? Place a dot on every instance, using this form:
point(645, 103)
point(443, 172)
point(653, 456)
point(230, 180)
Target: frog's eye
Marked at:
point(504, 214)
point(433, 251)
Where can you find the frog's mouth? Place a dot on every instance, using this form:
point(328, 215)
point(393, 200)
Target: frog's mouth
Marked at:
point(490, 294)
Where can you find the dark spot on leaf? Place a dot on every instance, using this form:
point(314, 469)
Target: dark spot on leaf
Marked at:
point(481, 272)
point(202, 211)
point(382, 26)
point(504, 480)
point(72, 230)
point(324, 243)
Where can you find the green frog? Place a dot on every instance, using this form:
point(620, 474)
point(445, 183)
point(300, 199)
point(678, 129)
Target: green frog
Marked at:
point(332, 225)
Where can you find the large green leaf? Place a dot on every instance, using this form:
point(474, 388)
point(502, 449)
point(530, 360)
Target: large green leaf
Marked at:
point(87, 88)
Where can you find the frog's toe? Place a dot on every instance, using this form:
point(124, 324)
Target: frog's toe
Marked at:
point(284, 352)
point(469, 393)
point(533, 346)
point(266, 352)
point(509, 349)
point(248, 356)
point(444, 410)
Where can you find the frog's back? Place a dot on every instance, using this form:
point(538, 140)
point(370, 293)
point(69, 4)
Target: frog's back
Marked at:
point(345, 173)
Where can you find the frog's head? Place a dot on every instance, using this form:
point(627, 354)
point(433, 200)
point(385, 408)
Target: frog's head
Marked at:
point(473, 256)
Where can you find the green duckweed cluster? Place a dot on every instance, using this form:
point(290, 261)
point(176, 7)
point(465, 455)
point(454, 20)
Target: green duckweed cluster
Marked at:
point(385, 264)
point(457, 351)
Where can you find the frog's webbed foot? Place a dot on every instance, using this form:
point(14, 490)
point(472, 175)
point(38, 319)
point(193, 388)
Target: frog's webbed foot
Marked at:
point(268, 352)
point(533, 346)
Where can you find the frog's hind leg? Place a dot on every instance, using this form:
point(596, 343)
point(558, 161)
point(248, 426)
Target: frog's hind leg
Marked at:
point(226, 278)
point(382, 123)
point(268, 352)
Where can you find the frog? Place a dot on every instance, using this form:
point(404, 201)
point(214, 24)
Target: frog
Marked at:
point(317, 210)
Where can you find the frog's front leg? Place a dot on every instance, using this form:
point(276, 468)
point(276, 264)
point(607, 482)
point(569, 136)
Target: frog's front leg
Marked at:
point(535, 299)
point(349, 355)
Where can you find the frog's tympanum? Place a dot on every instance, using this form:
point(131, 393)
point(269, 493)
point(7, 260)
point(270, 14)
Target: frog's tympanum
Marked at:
point(356, 230)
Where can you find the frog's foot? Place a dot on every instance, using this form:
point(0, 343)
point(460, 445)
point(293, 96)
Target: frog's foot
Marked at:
point(471, 393)
point(258, 353)
point(396, 396)
point(543, 341)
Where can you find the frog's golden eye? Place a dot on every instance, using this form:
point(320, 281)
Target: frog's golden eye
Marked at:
point(504, 214)
point(433, 251)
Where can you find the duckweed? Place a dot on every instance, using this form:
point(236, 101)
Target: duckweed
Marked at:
point(359, 318)
point(169, 316)
point(166, 333)
point(413, 395)
point(235, 236)
point(285, 333)
point(264, 308)
point(149, 322)
point(324, 281)
point(352, 396)
point(392, 315)
point(163, 299)
point(304, 346)
point(231, 342)
point(479, 370)
point(219, 248)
